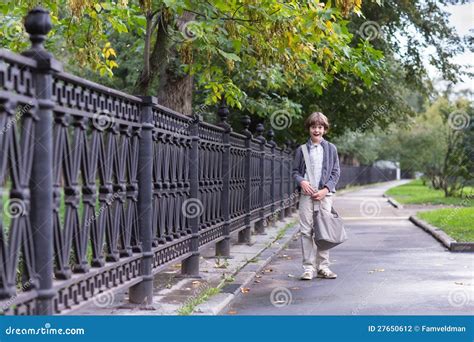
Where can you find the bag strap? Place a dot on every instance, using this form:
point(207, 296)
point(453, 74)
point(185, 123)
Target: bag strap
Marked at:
point(307, 161)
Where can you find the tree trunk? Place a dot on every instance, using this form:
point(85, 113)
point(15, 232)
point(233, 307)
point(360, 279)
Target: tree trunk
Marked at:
point(172, 90)
point(176, 91)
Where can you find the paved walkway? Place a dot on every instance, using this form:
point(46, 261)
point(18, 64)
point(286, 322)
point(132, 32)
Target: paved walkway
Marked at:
point(387, 267)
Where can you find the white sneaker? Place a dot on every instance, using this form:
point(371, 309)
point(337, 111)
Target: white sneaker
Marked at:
point(307, 275)
point(326, 273)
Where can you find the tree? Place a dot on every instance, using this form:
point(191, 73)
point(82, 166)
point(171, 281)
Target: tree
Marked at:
point(437, 143)
point(211, 46)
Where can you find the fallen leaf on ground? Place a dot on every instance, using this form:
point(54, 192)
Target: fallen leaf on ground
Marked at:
point(257, 281)
point(461, 283)
point(244, 290)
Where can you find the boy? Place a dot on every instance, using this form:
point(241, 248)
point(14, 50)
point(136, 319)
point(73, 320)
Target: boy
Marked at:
point(325, 166)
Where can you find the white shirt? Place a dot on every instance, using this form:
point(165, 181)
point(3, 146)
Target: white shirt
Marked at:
point(316, 159)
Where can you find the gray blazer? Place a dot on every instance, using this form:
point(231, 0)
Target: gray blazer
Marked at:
point(330, 171)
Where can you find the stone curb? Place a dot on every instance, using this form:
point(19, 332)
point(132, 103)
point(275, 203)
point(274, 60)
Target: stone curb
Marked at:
point(444, 238)
point(393, 202)
point(218, 304)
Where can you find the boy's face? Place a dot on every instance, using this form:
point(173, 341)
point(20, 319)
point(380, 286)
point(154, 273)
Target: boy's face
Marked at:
point(316, 131)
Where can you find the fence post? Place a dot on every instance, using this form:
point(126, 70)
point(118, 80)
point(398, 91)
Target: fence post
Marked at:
point(38, 24)
point(190, 266)
point(245, 234)
point(271, 135)
point(259, 227)
point(223, 246)
point(142, 293)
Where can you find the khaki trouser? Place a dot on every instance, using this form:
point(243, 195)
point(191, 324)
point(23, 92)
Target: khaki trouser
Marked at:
point(314, 258)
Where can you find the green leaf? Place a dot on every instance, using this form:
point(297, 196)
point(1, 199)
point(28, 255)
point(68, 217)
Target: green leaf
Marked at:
point(229, 55)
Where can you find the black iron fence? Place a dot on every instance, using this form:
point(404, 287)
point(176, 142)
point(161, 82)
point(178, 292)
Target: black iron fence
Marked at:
point(101, 189)
point(360, 175)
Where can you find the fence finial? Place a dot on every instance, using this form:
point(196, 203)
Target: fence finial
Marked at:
point(223, 113)
point(260, 130)
point(246, 123)
point(38, 24)
point(271, 135)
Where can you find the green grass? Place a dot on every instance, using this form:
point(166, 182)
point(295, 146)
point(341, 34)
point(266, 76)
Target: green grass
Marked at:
point(417, 193)
point(456, 222)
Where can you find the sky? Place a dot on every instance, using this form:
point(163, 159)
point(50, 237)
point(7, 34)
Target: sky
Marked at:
point(462, 18)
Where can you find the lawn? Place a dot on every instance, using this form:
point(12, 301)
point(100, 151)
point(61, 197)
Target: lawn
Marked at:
point(456, 222)
point(417, 193)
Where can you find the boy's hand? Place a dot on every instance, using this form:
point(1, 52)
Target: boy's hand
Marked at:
point(307, 188)
point(319, 195)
